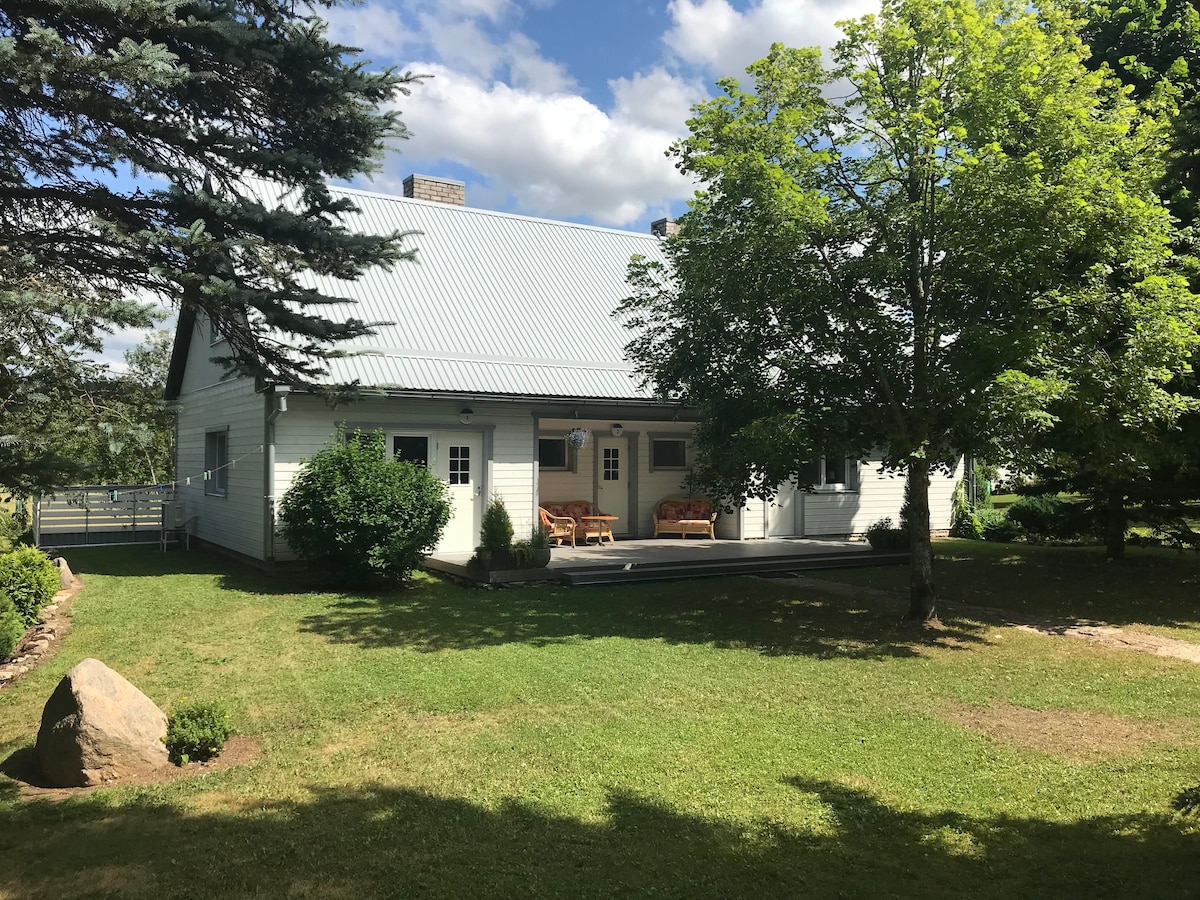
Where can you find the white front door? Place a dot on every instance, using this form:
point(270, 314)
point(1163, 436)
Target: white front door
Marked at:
point(456, 457)
point(612, 476)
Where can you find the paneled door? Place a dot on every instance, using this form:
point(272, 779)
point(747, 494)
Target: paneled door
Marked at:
point(456, 457)
point(612, 478)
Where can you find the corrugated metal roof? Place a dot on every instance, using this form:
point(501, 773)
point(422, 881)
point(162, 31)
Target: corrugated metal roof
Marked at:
point(495, 303)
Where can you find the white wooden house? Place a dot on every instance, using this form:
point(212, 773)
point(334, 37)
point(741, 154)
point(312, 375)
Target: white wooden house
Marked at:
point(503, 341)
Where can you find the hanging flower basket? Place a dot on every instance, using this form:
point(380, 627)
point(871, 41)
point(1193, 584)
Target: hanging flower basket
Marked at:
point(577, 437)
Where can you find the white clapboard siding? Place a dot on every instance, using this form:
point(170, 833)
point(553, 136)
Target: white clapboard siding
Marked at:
point(234, 521)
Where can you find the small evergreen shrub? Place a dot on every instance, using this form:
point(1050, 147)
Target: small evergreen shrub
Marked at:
point(496, 533)
point(197, 731)
point(1049, 517)
point(361, 516)
point(29, 579)
point(994, 525)
point(883, 535)
point(12, 627)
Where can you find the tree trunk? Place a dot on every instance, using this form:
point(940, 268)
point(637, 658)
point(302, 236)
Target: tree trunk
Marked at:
point(922, 605)
point(1115, 521)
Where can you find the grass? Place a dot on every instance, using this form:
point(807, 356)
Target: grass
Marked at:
point(716, 738)
point(1153, 590)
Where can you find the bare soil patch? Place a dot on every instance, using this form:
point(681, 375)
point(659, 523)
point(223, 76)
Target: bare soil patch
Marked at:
point(1082, 736)
point(22, 767)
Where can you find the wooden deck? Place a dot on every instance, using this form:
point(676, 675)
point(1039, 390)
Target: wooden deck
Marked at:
point(670, 559)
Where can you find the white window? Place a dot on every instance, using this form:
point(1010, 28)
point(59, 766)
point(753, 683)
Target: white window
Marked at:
point(668, 453)
point(216, 463)
point(214, 333)
point(830, 473)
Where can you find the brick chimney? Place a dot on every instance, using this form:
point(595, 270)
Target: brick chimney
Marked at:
point(439, 190)
point(664, 228)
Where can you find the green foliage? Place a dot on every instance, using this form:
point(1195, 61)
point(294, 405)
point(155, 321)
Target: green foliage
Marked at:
point(1047, 516)
point(884, 535)
point(964, 523)
point(12, 626)
point(198, 100)
point(197, 731)
point(355, 513)
point(496, 532)
point(875, 243)
point(29, 579)
point(994, 525)
point(539, 538)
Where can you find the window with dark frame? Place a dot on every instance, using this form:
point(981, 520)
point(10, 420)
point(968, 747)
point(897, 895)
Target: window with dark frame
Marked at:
point(216, 463)
point(668, 453)
point(411, 448)
point(552, 453)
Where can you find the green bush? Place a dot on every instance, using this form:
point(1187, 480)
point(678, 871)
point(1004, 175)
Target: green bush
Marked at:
point(883, 535)
point(29, 579)
point(994, 525)
point(361, 516)
point(12, 627)
point(1047, 516)
point(496, 533)
point(964, 523)
point(197, 731)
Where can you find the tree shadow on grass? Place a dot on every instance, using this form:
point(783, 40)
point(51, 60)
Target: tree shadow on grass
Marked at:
point(385, 841)
point(772, 617)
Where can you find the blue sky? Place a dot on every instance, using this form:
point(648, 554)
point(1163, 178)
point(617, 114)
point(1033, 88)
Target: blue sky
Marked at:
point(562, 108)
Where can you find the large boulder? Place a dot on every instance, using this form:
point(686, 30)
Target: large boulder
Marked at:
point(98, 727)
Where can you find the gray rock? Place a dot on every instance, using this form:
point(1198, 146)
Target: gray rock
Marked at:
point(65, 577)
point(98, 727)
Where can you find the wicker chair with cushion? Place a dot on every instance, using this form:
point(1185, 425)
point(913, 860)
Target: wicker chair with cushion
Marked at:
point(576, 510)
point(684, 517)
point(560, 528)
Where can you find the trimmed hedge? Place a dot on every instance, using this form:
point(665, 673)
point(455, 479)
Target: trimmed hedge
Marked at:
point(1051, 517)
point(30, 580)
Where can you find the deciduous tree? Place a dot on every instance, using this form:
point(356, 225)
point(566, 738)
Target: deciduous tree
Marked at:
point(875, 243)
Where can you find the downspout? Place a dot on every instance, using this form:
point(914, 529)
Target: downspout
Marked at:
point(275, 407)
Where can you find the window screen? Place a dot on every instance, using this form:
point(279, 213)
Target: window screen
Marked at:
point(552, 453)
point(216, 463)
point(412, 448)
point(668, 453)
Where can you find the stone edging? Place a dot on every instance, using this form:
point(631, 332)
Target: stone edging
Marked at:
point(43, 639)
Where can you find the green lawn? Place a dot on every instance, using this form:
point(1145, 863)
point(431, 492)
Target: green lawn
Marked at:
point(740, 737)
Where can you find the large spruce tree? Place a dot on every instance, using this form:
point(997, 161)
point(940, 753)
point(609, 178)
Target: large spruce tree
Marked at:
point(127, 131)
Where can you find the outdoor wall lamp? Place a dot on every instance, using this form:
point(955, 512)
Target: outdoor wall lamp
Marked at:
point(465, 416)
point(616, 429)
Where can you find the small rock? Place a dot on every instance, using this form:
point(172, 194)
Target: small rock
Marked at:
point(65, 577)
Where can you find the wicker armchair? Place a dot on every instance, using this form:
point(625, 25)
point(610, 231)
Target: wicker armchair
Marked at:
point(559, 528)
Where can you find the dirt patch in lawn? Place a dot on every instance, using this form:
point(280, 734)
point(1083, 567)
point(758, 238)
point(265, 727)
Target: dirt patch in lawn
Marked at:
point(1083, 736)
point(22, 767)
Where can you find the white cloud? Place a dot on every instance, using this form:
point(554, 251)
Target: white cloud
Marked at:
point(556, 153)
point(377, 29)
point(656, 99)
point(713, 35)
